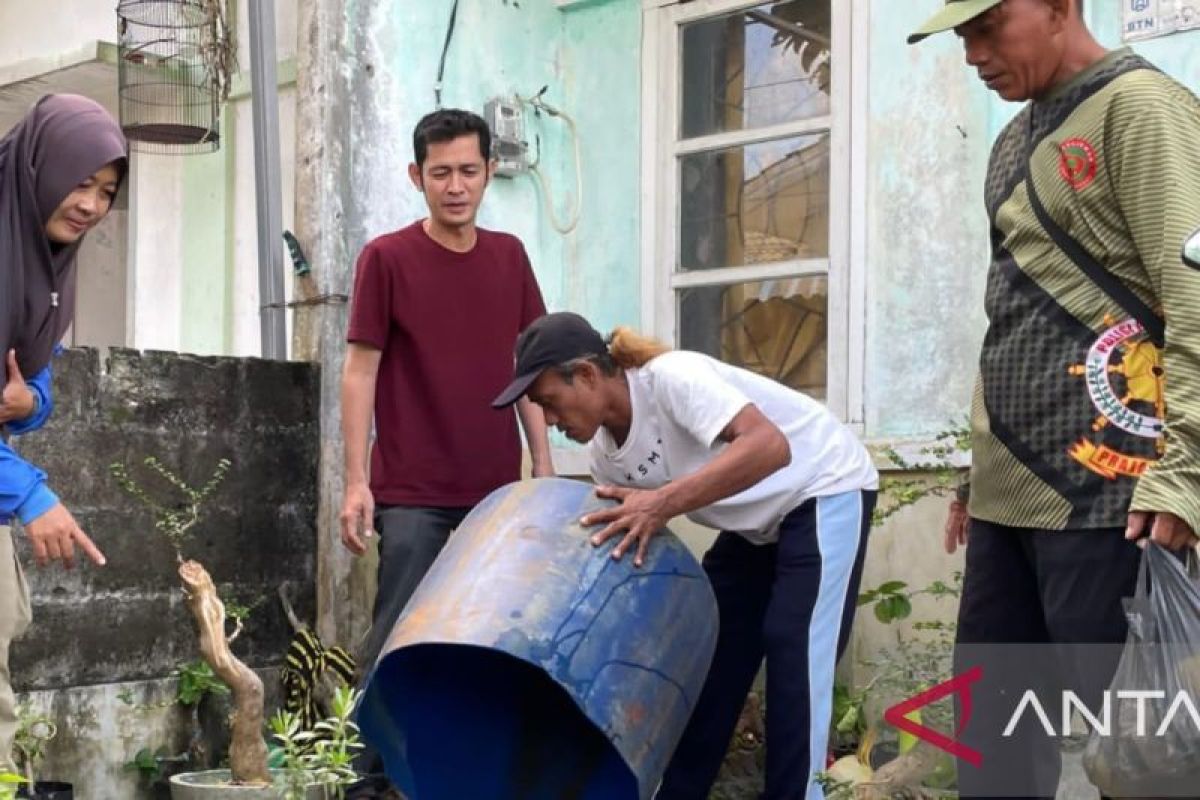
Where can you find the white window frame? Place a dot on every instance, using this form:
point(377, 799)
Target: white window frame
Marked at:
point(662, 148)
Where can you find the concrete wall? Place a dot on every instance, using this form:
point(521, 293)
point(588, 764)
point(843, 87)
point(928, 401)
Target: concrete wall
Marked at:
point(100, 631)
point(602, 88)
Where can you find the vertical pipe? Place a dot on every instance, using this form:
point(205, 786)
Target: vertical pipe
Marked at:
point(267, 192)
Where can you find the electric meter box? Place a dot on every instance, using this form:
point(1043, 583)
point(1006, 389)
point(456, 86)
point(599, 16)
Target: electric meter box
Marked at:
point(506, 120)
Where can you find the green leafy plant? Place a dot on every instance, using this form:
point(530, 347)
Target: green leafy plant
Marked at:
point(939, 474)
point(148, 764)
point(920, 658)
point(922, 654)
point(248, 749)
point(9, 783)
point(850, 721)
point(893, 600)
point(322, 755)
point(34, 732)
point(197, 679)
point(173, 522)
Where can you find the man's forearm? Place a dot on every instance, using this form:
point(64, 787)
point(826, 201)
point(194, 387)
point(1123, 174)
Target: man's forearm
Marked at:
point(358, 394)
point(533, 422)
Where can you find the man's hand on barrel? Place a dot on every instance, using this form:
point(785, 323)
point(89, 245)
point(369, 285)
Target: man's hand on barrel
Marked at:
point(641, 514)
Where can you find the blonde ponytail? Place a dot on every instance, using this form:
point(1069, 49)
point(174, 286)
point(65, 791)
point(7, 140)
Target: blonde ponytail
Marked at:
point(630, 350)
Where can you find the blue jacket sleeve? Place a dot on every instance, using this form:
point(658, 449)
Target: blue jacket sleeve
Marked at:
point(40, 386)
point(23, 490)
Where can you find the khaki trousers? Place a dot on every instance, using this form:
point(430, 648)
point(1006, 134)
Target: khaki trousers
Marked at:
point(14, 619)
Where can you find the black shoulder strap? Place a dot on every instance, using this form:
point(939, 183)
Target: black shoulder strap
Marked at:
point(1121, 294)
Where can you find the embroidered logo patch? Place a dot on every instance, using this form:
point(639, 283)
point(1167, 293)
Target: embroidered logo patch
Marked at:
point(1123, 351)
point(1077, 162)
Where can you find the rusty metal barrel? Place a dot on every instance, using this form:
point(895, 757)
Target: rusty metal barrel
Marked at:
point(529, 664)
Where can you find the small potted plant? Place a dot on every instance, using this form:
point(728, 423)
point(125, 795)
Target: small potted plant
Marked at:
point(34, 732)
point(316, 764)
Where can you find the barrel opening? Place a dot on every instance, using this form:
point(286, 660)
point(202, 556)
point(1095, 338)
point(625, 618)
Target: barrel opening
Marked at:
point(457, 721)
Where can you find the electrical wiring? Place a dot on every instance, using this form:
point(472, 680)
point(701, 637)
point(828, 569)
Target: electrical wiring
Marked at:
point(564, 228)
point(437, 87)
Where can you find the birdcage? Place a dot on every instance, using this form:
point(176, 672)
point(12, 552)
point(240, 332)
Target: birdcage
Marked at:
point(175, 63)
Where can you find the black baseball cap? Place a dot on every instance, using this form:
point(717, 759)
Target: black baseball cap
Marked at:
point(549, 341)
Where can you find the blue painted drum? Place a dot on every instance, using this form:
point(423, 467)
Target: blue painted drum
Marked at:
point(529, 664)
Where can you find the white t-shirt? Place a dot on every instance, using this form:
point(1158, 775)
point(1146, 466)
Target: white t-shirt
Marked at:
point(681, 401)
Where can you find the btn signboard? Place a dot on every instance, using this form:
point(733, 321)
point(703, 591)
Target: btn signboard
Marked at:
point(1147, 19)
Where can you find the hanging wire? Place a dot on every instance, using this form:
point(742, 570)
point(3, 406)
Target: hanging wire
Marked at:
point(437, 87)
point(539, 104)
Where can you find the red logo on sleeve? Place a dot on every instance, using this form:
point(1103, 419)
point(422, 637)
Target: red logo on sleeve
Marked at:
point(1077, 163)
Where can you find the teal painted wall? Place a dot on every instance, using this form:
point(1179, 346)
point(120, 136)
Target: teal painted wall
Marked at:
point(926, 248)
point(588, 59)
point(602, 86)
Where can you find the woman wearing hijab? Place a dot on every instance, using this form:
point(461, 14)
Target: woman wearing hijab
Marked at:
point(60, 168)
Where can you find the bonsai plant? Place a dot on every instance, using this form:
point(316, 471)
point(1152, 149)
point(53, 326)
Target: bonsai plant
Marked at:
point(248, 748)
point(318, 764)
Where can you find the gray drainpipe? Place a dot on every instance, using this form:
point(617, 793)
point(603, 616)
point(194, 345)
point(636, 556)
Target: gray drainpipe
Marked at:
point(267, 192)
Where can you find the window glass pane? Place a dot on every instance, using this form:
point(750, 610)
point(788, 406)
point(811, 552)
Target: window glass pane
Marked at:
point(776, 328)
point(756, 204)
point(756, 67)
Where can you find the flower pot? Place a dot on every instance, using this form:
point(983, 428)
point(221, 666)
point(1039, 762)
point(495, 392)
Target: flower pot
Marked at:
point(48, 790)
point(214, 784)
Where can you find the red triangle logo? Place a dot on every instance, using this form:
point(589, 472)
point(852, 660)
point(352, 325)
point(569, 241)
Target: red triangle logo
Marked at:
point(960, 685)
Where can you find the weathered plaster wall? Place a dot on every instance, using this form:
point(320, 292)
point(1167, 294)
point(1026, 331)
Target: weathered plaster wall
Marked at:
point(497, 49)
point(927, 233)
point(602, 88)
point(588, 57)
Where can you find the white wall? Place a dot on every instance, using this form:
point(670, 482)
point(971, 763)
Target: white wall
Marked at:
point(155, 243)
point(37, 29)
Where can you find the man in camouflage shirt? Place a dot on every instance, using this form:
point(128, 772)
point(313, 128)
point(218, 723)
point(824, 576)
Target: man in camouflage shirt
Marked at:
point(1085, 432)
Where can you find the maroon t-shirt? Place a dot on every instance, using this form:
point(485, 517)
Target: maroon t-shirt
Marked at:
point(446, 323)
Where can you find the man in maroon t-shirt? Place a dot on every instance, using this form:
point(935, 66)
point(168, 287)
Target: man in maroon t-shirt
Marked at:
point(436, 311)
